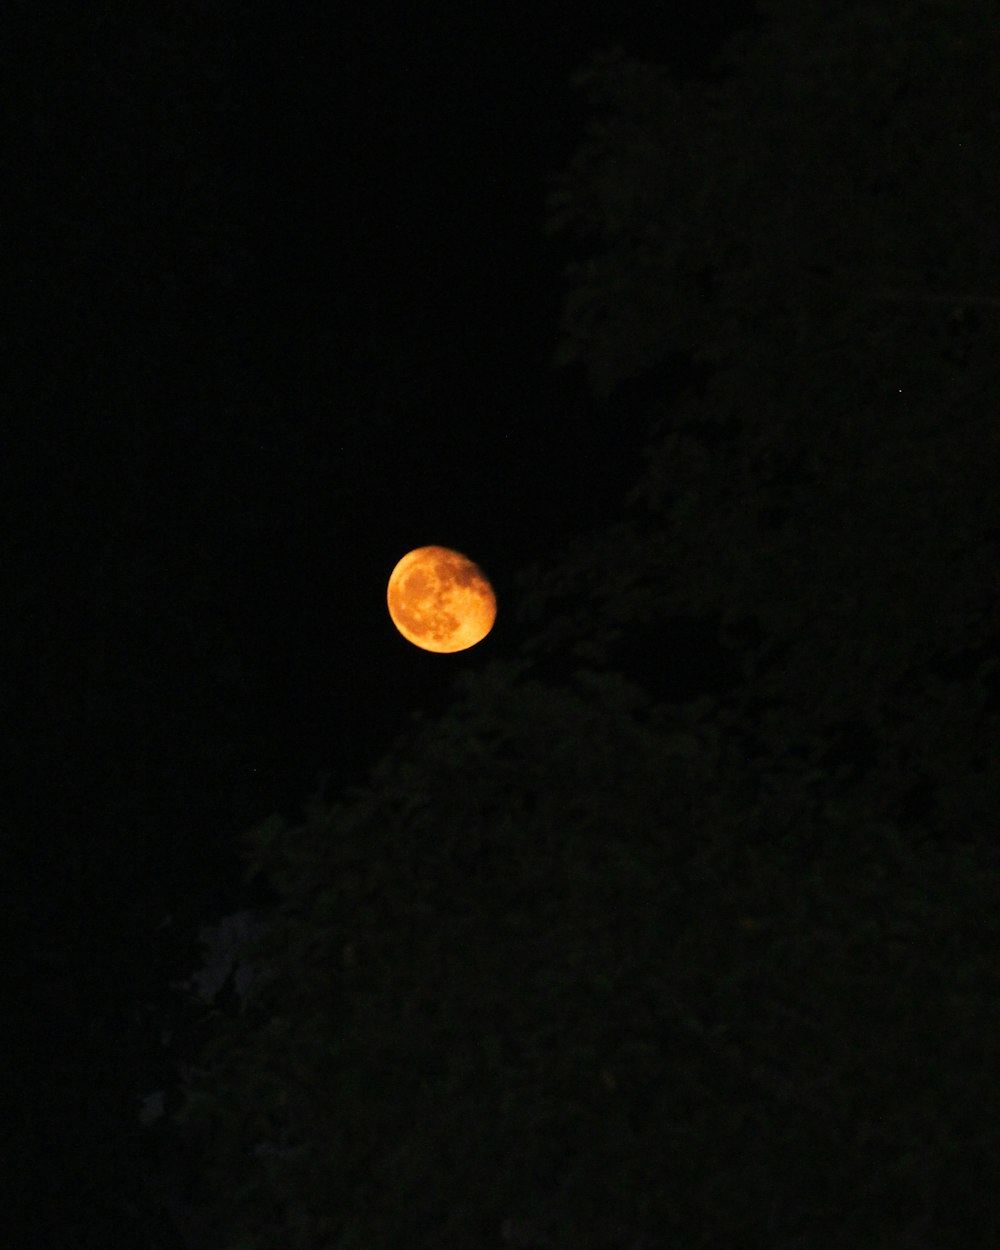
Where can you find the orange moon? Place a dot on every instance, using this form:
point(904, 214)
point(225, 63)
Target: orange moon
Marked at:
point(440, 601)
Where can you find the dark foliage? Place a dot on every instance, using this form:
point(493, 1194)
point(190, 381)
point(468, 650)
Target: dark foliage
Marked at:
point(680, 930)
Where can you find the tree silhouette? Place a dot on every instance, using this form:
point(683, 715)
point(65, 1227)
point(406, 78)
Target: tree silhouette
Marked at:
point(602, 957)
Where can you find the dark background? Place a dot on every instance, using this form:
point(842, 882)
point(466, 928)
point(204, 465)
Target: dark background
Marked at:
point(282, 308)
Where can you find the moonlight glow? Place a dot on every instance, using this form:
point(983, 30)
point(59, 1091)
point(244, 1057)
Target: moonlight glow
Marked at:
point(440, 601)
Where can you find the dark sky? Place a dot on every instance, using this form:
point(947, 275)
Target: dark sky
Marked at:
point(283, 310)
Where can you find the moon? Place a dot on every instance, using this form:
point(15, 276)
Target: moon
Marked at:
point(440, 601)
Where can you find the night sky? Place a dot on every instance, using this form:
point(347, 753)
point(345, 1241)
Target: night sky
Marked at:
point(282, 309)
